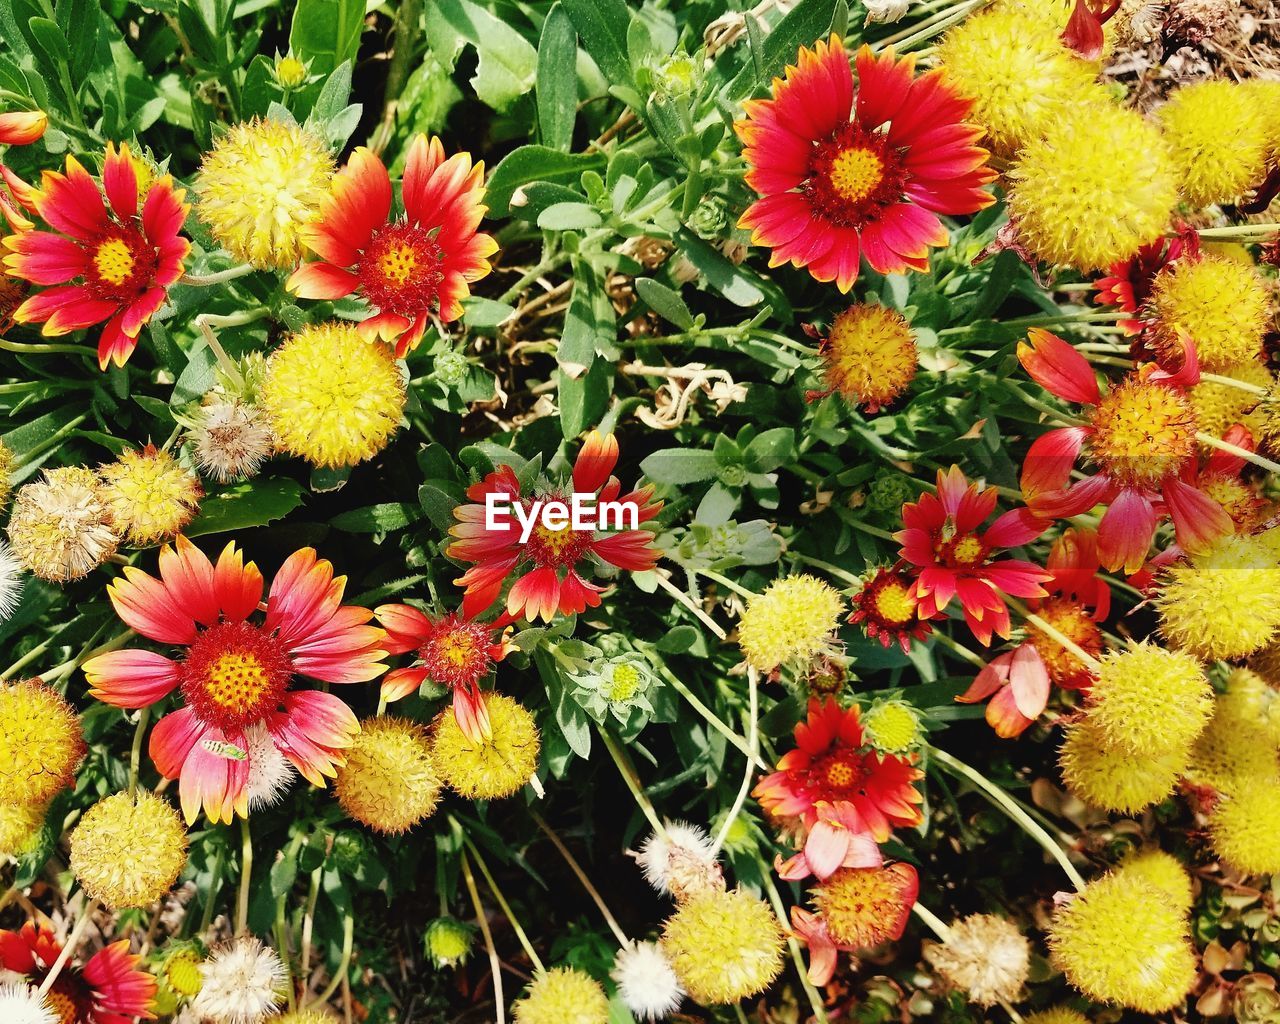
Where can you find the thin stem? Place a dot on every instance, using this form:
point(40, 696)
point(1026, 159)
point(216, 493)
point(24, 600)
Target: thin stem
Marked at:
point(872, 531)
point(514, 921)
point(49, 442)
point(753, 741)
point(527, 278)
point(708, 715)
point(1055, 634)
point(246, 871)
point(219, 277)
point(73, 940)
point(1002, 800)
point(959, 649)
point(633, 784)
point(664, 581)
point(1231, 382)
point(215, 346)
point(348, 942)
point(308, 924)
point(215, 883)
point(592, 891)
point(797, 958)
point(1243, 232)
point(135, 755)
point(724, 581)
point(495, 965)
point(834, 570)
point(1242, 453)
point(33, 348)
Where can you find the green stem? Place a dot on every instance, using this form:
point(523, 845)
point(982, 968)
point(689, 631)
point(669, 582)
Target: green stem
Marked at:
point(31, 454)
point(514, 921)
point(528, 277)
point(582, 877)
point(1242, 232)
point(42, 348)
point(246, 873)
point(834, 570)
point(724, 581)
point(797, 958)
point(215, 883)
point(218, 277)
point(753, 742)
point(707, 714)
point(495, 965)
point(1243, 453)
point(633, 783)
point(348, 943)
point(135, 755)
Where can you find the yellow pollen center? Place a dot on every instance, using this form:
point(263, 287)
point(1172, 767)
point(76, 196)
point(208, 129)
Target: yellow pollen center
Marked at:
point(856, 173)
point(183, 974)
point(236, 682)
point(840, 775)
point(113, 261)
point(457, 649)
point(1143, 433)
point(895, 603)
point(398, 263)
point(626, 680)
point(554, 541)
point(967, 551)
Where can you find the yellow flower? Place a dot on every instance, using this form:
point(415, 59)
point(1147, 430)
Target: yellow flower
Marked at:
point(389, 781)
point(1218, 136)
point(496, 767)
point(1162, 871)
point(1148, 702)
point(127, 851)
point(149, 495)
point(1093, 187)
point(892, 726)
point(724, 946)
point(563, 995)
point(262, 182)
point(1250, 698)
point(1218, 406)
point(290, 72)
point(41, 743)
point(1057, 1015)
point(1112, 779)
point(182, 971)
point(1121, 941)
point(1220, 303)
point(1019, 75)
point(449, 941)
point(60, 527)
point(985, 956)
point(1244, 828)
point(794, 620)
point(1231, 753)
point(1224, 603)
point(331, 397)
point(864, 907)
point(870, 355)
point(6, 467)
point(20, 826)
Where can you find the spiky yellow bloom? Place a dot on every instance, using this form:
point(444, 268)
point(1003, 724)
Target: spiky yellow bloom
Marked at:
point(60, 527)
point(864, 907)
point(1057, 1015)
point(869, 355)
point(1033, 83)
point(892, 726)
point(1218, 406)
point(1244, 828)
point(331, 397)
point(6, 467)
point(290, 72)
point(987, 957)
point(1143, 432)
point(259, 186)
point(1093, 187)
point(1218, 136)
point(1148, 701)
point(1224, 603)
point(150, 496)
point(20, 826)
point(794, 620)
point(1250, 698)
point(1220, 303)
point(1162, 871)
point(127, 851)
point(724, 946)
point(1112, 779)
point(182, 971)
point(492, 768)
point(1121, 941)
point(448, 941)
point(305, 1017)
point(389, 781)
point(1231, 753)
point(41, 742)
point(563, 995)
point(1265, 94)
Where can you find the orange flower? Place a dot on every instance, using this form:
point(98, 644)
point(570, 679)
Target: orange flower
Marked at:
point(22, 127)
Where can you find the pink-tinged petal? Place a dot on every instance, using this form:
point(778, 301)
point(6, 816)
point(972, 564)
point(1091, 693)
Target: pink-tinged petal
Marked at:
point(1014, 528)
point(120, 181)
point(163, 211)
point(1004, 717)
point(213, 780)
point(407, 628)
point(237, 586)
point(952, 488)
point(1058, 368)
point(1198, 520)
point(140, 310)
point(595, 462)
point(483, 583)
point(172, 739)
point(812, 931)
point(22, 127)
point(122, 990)
point(1187, 375)
point(472, 714)
point(114, 346)
point(1225, 463)
point(149, 606)
point(1017, 578)
point(304, 596)
point(401, 682)
point(1050, 459)
point(1084, 32)
point(993, 676)
point(343, 649)
point(360, 201)
point(131, 679)
point(312, 731)
point(1029, 681)
point(425, 155)
point(884, 84)
point(71, 202)
point(1076, 500)
point(1126, 530)
point(632, 549)
point(937, 584)
point(321, 281)
point(44, 258)
point(825, 847)
point(535, 595)
point(76, 315)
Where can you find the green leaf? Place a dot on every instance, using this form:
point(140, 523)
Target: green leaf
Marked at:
point(677, 640)
point(557, 79)
point(438, 499)
point(508, 63)
point(326, 32)
point(334, 94)
point(734, 283)
point(51, 40)
point(79, 21)
point(528, 164)
point(378, 518)
point(602, 25)
point(680, 466)
point(254, 503)
point(664, 301)
point(584, 399)
point(569, 217)
point(770, 450)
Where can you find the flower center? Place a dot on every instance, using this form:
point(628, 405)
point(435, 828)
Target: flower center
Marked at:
point(1143, 433)
point(458, 653)
point(68, 1000)
point(961, 551)
point(895, 603)
point(113, 261)
point(853, 175)
point(556, 548)
point(1064, 668)
point(842, 773)
point(235, 675)
point(121, 264)
point(400, 271)
point(625, 682)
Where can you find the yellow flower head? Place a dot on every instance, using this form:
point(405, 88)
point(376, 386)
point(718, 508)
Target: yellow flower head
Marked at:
point(1231, 753)
point(892, 726)
point(1149, 702)
point(1162, 871)
point(1057, 1015)
point(1142, 432)
point(1244, 828)
point(41, 743)
point(149, 495)
point(1093, 187)
point(389, 781)
point(181, 971)
point(127, 851)
point(724, 946)
point(6, 467)
point(1071, 620)
point(1027, 88)
point(259, 186)
point(986, 957)
point(870, 355)
point(1265, 94)
point(1218, 406)
point(1218, 135)
point(60, 527)
point(290, 72)
point(331, 397)
point(1220, 303)
point(794, 620)
point(1251, 698)
point(305, 1017)
point(449, 941)
point(1121, 941)
point(1112, 779)
point(1224, 603)
point(20, 826)
point(563, 995)
point(492, 768)
point(864, 907)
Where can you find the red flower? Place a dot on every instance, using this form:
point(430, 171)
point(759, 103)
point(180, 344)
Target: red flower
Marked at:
point(1084, 28)
point(411, 268)
point(108, 989)
point(452, 650)
point(548, 560)
point(846, 796)
point(22, 127)
point(1141, 434)
point(1128, 286)
point(888, 609)
point(236, 673)
point(1020, 682)
point(953, 559)
point(124, 253)
point(845, 173)
point(1219, 478)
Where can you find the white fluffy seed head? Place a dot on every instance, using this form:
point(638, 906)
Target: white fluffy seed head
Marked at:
point(20, 1003)
point(11, 580)
point(230, 440)
point(270, 773)
point(243, 982)
point(682, 862)
point(647, 983)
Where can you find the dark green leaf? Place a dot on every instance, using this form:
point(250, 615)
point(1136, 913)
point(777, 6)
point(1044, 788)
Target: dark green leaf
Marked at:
point(327, 33)
point(535, 163)
point(664, 301)
point(246, 505)
point(377, 518)
point(557, 79)
point(602, 26)
point(680, 466)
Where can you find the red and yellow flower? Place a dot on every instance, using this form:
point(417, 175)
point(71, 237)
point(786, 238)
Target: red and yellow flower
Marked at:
point(549, 582)
point(22, 127)
point(452, 650)
point(848, 171)
point(109, 989)
point(953, 558)
point(1142, 436)
point(1129, 283)
point(888, 608)
point(845, 796)
point(112, 261)
point(409, 268)
point(236, 672)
